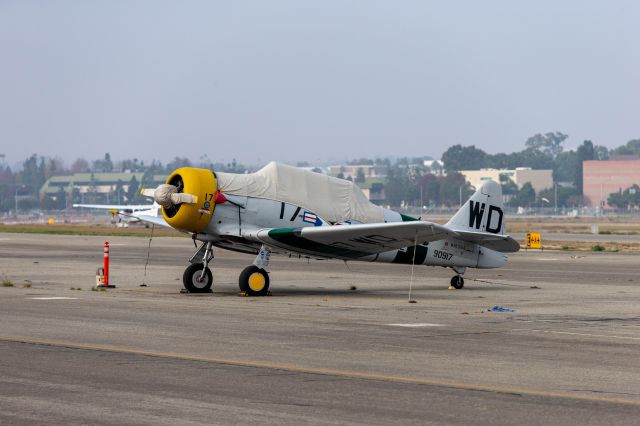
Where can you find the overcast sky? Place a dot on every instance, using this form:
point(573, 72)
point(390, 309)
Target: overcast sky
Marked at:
point(316, 81)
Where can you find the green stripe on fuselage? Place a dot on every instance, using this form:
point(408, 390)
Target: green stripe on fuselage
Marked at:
point(407, 255)
point(406, 218)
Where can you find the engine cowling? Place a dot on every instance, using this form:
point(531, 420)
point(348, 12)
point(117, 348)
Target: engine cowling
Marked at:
point(191, 214)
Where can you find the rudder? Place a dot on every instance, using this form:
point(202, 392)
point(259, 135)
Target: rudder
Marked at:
point(483, 212)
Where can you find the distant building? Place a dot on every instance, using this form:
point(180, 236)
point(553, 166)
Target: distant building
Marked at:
point(603, 177)
point(370, 171)
point(373, 188)
point(101, 186)
point(539, 179)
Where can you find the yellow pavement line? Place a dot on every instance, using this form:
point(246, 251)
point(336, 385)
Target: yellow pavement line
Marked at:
point(319, 371)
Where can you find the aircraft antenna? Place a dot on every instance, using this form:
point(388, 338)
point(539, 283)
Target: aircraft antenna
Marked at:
point(148, 253)
point(413, 264)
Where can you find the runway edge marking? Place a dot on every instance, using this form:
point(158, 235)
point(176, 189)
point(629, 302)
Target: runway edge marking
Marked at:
point(318, 371)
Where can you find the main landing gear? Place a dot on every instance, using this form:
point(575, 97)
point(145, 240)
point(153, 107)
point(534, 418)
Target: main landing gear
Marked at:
point(253, 280)
point(457, 281)
point(197, 278)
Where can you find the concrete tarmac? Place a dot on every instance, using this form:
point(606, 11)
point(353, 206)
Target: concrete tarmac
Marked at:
point(316, 351)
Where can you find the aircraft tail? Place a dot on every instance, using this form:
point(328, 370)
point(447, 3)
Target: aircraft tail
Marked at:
point(483, 212)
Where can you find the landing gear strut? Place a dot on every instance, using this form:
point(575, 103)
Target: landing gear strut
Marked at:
point(197, 278)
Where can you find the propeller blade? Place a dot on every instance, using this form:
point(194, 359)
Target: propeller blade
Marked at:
point(182, 198)
point(147, 192)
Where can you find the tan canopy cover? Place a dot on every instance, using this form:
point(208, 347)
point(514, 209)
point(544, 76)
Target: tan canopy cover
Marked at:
point(333, 199)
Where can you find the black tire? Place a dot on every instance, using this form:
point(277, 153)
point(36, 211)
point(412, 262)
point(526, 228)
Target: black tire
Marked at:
point(254, 281)
point(457, 282)
point(191, 279)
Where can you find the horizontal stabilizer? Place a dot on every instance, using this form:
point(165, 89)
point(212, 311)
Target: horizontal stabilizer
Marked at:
point(501, 243)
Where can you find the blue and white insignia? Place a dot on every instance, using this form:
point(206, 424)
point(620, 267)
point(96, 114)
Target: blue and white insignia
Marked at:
point(311, 218)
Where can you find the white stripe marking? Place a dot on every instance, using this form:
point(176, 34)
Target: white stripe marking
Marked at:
point(54, 298)
point(419, 324)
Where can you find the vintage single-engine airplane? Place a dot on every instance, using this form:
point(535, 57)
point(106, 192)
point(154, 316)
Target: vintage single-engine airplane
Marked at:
point(127, 213)
point(282, 209)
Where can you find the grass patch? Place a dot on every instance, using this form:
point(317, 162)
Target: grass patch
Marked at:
point(7, 283)
point(26, 285)
point(97, 229)
point(598, 247)
point(565, 248)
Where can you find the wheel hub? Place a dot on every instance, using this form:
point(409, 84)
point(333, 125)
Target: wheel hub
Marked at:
point(256, 281)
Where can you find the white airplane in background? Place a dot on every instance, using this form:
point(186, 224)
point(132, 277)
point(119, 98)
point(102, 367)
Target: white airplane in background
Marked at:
point(130, 213)
point(286, 210)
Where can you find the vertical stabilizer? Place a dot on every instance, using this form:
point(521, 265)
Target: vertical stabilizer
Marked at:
point(483, 212)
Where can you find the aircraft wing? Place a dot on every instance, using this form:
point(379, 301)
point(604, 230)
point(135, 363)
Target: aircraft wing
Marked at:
point(351, 241)
point(152, 220)
point(501, 243)
point(117, 207)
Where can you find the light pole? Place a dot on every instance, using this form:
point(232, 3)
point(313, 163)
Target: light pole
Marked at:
point(18, 187)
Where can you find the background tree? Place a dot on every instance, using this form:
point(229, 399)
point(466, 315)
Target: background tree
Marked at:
point(550, 143)
point(104, 165)
point(453, 188)
point(525, 197)
point(132, 190)
point(628, 198)
point(567, 167)
point(92, 191)
point(61, 199)
point(80, 165)
point(601, 152)
point(460, 157)
point(396, 186)
point(360, 162)
point(567, 196)
point(585, 152)
point(509, 187)
point(119, 191)
point(630, 148)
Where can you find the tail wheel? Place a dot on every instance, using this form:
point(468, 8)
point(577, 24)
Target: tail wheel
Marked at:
point(194, 281)
point(457, 282)
point(254, 281)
